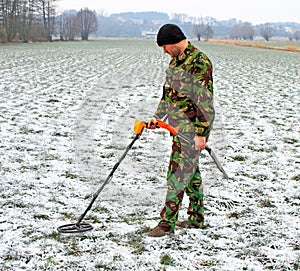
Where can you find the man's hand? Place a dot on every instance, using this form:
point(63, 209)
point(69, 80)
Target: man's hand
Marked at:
point(152, 123)
point(200, 142)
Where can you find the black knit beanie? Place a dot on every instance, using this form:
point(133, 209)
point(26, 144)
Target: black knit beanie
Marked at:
point(169, 34)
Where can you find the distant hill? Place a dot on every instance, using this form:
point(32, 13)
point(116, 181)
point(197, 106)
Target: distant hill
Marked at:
point(146, 15)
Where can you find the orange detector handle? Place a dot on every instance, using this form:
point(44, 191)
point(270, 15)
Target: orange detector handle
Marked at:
point(140, 125)
point(167, 126)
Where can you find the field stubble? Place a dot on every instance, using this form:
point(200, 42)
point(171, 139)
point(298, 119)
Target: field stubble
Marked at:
point(67, 115)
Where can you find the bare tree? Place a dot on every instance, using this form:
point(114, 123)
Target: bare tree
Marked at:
point(88, 23)
point(28, 21)
point(48, 13)
point(267, 31)
point(8, 18)
point(248, 31)
point(68, 25)
point(242, 31)
point(199, 30)
point(203, 27)
point(297, 35)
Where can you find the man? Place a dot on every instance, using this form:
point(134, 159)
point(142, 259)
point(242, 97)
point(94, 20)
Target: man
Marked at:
point(187, 103)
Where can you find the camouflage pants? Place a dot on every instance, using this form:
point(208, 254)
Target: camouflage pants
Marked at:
point(183, 177)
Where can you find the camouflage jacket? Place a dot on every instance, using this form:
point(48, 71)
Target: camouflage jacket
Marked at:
point(187, 98)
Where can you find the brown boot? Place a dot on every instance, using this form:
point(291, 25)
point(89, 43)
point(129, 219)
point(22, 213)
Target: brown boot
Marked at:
point(160, 230)
point(184, 224)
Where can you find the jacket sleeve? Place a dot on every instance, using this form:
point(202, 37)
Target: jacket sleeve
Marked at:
point(205, 113)
point(201, 109)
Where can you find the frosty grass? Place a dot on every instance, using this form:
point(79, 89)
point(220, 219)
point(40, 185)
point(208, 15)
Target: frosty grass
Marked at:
point(67, 113)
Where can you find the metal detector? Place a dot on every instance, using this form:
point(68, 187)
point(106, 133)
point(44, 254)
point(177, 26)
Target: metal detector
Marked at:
point(139, 126)
point(80, 226)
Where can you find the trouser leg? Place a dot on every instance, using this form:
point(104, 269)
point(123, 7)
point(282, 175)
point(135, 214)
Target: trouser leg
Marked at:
point(194, 190)
point(182, 169)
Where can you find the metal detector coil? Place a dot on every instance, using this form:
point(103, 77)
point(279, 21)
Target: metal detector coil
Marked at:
point(75, 228)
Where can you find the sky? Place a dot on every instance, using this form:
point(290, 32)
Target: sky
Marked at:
point(253, 11)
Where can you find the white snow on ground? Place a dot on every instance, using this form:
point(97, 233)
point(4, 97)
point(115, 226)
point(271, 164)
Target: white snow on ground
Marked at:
point(67, 113)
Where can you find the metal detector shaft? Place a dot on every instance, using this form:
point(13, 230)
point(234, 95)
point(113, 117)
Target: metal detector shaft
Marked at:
point(211, 153)
point(215, 159)
point(173, 131)
point(108, 178)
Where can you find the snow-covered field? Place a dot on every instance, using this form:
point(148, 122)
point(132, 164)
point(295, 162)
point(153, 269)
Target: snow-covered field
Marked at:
point(67, 113)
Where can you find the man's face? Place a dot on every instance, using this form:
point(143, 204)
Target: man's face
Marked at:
point(171, 49)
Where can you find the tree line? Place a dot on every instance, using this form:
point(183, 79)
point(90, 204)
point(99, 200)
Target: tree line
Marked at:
point(36, 20)
point(245, 31)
